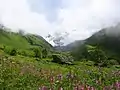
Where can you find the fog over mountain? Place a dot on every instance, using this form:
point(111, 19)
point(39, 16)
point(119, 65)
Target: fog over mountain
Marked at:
point(79, 18)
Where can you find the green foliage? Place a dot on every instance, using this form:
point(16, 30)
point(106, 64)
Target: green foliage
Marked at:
point(44, 53)
point(28, 52)
point(97, 55)
point(13, 40)
point(2, 46)
point(38, 53)
point(22, 42)
point(38, 41)
point(62, 59)
point(113, 62)
point(13, 52)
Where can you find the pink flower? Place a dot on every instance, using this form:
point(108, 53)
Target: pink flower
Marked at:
point(88, 88)
point(51, 79)
point(107, 88)
point(82, 88)
point(76, 87)
point(118, 85)
point(59, 77)
point(92, 88)
point(43, 88)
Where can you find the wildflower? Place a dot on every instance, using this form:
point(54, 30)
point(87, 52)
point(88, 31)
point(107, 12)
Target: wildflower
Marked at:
point(107, 88)
point(57, 81)
point(43, 88)
point(118, 85)
point(13, 62)
point(60, 88)
point(92, 88)
point(82, 88)
point(51, 79)
point(59, 77)
point(76, 87)
point(68, 75)
point(88, 87)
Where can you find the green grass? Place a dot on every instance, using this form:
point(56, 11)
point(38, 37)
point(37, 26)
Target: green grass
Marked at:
point(22, 42)
point(13, 40)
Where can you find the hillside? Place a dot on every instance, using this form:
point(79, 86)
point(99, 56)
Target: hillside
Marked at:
point(70, 46)
point(17, 40)
point(108, 39)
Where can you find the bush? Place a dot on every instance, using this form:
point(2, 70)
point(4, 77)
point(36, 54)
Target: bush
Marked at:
point(37, 53)
point(2, 47)
point(90, 63)
point(29, 53)
point(13, 52)
point(113, 62)
point(62, 59)
point(97, 55)
point(9, 50)
point(44, 53)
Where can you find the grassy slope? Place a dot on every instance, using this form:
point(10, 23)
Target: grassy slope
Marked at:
point(38, 41)
point(13, 40)
point(18, 41)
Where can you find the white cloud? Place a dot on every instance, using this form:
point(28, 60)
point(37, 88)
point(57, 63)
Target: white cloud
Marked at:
point(86, 16)
point(17, 14)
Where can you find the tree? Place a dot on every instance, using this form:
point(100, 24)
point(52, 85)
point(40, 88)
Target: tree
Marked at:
point(44, 53)
point(38, 53)
point(94, 53)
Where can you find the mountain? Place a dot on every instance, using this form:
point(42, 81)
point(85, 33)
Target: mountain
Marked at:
point(17, 40)
point(70, 46)
point(108, 39)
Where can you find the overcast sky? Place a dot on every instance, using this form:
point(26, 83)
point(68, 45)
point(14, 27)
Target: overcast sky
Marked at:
point(80, 18)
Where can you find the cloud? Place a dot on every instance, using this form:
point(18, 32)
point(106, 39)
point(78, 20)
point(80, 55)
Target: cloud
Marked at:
point(48, 7)
point(43, 17)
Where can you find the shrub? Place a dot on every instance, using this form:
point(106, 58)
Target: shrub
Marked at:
point(97, 55)
point(2, 47)
point(13, 52)
point(44, 53)
point(113, 62)
point(29, 53)
point(9, 50)
point(37, 53)
point(62, 59)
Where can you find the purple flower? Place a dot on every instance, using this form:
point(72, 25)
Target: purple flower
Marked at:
point(59, 77)
point(118, 85)
point(107, 88)
point(43, 88)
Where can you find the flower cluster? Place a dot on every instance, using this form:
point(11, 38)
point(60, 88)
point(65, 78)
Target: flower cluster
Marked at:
point(72, 81)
